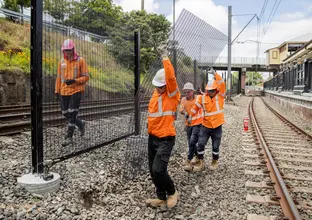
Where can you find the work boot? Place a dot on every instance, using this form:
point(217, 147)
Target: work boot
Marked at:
point(155, 202)
point(172, 200)
point(214, 165)
point(83, 128)
point(67, 141)
point(195, 161)
point(199, 167)
point(187, 166)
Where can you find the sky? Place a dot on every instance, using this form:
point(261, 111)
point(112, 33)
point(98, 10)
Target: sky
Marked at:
point(291, 19)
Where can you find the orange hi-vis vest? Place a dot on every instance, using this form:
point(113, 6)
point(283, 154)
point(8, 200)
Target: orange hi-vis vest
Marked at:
point(75, 69)
point(212, 107)
point(162, 108)
point(186, 105)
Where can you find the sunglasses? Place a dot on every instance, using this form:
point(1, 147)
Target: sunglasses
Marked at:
point(160, 87)
point(211, 91)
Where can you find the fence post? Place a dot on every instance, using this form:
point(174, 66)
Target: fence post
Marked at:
point(195, 74)
point(36, 87)
point(137, 82)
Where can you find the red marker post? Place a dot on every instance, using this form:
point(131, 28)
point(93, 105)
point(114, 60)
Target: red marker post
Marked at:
point(246, 122)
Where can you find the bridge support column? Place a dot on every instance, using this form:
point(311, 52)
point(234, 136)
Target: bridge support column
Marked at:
point(242, 75)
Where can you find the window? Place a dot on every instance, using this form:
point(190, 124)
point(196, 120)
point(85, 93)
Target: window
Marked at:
point(274, 54)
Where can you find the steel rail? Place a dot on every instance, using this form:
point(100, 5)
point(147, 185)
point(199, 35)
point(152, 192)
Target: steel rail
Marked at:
point(286, 202)
point(292, 125)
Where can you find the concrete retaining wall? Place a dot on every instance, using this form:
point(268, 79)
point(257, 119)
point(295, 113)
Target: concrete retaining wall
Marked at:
point(299, 106)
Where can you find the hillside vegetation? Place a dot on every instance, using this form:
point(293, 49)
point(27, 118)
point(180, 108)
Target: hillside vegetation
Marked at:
point(105, 72)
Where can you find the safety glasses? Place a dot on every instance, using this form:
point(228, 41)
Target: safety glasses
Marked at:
point(160, 87)
point(211, 91)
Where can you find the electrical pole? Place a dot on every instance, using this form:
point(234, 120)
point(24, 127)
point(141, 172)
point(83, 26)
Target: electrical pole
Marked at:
point(229, 76)
point(142, 5)
point(174, 41)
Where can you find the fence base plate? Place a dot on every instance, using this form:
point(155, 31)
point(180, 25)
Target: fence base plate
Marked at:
point(34, 183)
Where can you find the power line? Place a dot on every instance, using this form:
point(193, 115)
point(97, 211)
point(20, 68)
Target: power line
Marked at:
point(265, 3)
point(271, 17)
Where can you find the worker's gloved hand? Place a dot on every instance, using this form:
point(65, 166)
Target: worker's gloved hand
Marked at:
point(163, 50)
point(211, 71)
point(57, 97)
point(186, 116)
point(70, 81)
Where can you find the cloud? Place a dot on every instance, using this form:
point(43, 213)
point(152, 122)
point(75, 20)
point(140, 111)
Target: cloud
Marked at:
point(292, 16)
point(283, 27)
point(127, 5)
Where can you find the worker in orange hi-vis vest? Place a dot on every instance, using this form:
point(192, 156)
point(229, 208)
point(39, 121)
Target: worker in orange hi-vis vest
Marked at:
point(193, 124)
point(212, 105)
point(70, 83)
point(161, 115)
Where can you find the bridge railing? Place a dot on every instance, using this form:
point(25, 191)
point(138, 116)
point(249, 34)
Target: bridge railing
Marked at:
point(236, 61)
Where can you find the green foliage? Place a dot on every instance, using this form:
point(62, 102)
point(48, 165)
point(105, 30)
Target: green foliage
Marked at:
point(10, 5)
point(154, 30)
point(95, 16)
point(253, 78)
point(56, 8)
point(105, 73)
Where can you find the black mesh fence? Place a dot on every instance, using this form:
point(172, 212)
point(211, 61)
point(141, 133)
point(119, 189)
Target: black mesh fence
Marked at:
point(88, 85)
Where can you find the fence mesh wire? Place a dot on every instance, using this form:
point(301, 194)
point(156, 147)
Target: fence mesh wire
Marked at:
point(193, 40)
point(98, 107)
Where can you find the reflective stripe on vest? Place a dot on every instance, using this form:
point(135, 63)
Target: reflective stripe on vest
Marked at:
point(63, 70)
point(217, 106)
point(197, 117)
point(221, 81)
point(173, 93)
point(160, 112)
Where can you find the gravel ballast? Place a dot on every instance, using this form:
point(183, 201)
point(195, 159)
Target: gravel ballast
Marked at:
point(93, 188)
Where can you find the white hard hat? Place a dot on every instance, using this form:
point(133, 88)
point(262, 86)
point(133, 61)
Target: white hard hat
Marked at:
point(188, 86)
point(159, 79)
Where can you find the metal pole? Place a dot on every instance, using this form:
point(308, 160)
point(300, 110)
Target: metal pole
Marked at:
point(174, 41)
point(229, 51)
point(36, 87)
point(142, 5)
point(195, 74)
point(137, 82)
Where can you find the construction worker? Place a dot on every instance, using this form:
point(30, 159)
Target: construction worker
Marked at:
point(193, 124)
point(161, 115)
point(212, 105)
point(70, 84)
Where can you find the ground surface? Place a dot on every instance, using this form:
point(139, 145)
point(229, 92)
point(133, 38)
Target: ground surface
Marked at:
point(93, 188)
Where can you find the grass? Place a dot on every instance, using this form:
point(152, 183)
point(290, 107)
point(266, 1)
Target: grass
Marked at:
point(105, 73)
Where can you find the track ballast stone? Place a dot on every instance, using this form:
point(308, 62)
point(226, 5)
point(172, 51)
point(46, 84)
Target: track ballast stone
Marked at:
point(93, 186)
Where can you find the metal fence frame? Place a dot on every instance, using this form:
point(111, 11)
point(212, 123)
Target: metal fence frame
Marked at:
point(297, 79)
point(38, 164)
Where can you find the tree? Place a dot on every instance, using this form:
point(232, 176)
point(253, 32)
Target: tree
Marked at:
point(16, 5)
point(11, 5)
point(22, 4)
point(58, 9)
point(154, 30)
point(253, 78)
point(95, 16)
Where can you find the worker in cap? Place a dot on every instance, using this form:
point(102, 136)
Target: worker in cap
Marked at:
point(161, 115)
point(71, 79)
point(211, 103)
point(192, 124)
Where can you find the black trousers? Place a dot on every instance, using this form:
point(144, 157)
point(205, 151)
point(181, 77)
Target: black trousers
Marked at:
point(159, 151)
point(205, 134)
point(70, 108)
point(192, 133)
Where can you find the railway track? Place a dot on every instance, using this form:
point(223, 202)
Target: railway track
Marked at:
point(19, 122)
point(279, 157)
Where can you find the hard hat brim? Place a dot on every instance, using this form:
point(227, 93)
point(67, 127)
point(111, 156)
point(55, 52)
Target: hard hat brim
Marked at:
point(157, 83)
